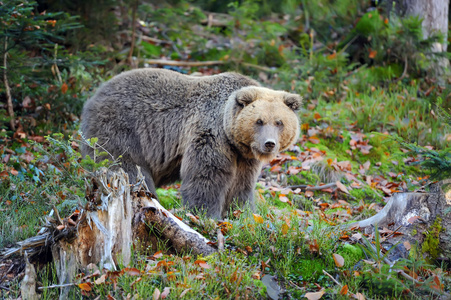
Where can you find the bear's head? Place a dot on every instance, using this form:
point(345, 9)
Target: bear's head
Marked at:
point(261, 122)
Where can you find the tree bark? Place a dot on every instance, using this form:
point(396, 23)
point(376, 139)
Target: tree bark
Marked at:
point(435, 19)
point(423, 219)
point(434, 14)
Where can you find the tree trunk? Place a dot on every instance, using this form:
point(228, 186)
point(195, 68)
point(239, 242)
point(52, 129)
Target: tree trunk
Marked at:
point(423, 219)
point(435, 19)
point(434, 14)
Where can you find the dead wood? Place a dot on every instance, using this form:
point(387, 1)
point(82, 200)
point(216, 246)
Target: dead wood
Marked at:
point(28, 286)
point(419, 218)
point(217, 20)
point(9, 99)
point(116, 217)
point(201, 64)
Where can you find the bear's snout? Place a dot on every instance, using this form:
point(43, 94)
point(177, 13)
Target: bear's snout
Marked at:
point(270, 144)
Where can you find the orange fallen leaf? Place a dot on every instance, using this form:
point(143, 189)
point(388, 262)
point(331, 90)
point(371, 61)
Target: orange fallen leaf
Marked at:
point(157, 254)
point(202, 264)
point(344, 290)
point(285, 228)
point(132, 271)
point(85, 286)
point(258, 219)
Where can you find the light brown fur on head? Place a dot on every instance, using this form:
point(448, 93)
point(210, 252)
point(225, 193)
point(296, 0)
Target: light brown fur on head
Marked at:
point(262, 117)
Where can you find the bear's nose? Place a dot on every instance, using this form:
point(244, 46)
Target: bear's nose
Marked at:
point(270, 144)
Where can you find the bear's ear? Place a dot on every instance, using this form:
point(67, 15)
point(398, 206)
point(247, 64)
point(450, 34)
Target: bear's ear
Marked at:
point(293, 101)
point(246, 96)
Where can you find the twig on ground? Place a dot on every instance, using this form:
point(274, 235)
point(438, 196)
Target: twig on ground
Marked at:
point(55, 286)
point(295, 285)
point(333, 279)
point(312, 188)
point(6, 273)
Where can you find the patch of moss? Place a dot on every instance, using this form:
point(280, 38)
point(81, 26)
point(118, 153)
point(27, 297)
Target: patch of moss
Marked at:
point(351, 254)
point(431, 240)
point(310, 269)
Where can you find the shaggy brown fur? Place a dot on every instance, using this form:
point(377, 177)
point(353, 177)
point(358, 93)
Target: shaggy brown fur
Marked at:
point(211, 132)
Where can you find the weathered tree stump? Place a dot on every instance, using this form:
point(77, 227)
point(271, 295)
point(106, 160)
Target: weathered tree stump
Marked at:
point(117, 216)
point(424, 219)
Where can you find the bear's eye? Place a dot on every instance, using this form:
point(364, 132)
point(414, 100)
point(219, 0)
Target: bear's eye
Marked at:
point(259, 122)
point(279, 123)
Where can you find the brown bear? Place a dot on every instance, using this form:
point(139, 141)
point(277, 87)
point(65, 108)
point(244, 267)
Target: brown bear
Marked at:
point(212, 132)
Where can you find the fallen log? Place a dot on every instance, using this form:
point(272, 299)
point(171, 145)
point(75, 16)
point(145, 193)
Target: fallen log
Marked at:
point(116, 217)
point(422, 219)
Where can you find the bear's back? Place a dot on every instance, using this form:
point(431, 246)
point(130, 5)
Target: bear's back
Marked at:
point(160, 89)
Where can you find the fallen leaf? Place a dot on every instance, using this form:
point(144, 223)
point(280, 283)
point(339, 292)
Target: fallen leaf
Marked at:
point(101, 279)
point(309, 194)
point(14, 172)
point(165, 292)
point(407, 245)
point(342, 187)
point(156, 294)
point(314, 296)
point(339, 260)
point(283, 198)
point(358, 296)
point(202, 264)
point(313, 140)
point(258, 219)
point(132, 271)
point(157, 254)
point(284, 228)
point(85, 286)
point(135, 282)
point(184, 293)
point(344, 290)
point(234, 276)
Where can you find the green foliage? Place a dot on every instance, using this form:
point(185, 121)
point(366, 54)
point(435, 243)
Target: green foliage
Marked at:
point(169, 198)
point(437, 162)
point(48, 83)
